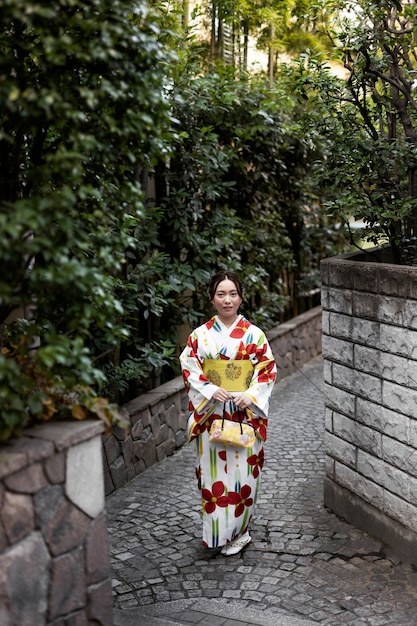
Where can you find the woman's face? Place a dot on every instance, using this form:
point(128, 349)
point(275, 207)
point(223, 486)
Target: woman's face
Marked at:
point(227, 301)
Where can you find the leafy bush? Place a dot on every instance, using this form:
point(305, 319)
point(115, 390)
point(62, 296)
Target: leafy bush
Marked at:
point(369, 119)
point(82, 112)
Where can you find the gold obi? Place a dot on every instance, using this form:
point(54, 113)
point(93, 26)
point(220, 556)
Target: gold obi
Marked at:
point(232, 375)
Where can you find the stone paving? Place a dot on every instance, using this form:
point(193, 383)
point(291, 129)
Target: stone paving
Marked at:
point(303, 566)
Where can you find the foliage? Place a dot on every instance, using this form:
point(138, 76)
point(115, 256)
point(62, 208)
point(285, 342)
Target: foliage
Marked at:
point(127, 176)
point(236, 184)
point(370, 122)
point(82, 111)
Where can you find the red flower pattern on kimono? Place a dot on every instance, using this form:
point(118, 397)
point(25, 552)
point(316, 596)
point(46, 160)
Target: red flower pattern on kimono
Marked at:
point(198, 473)
point(257, 462)
point(241, 499)
point(214, 498)
point(260, 425)
point(197, 430)
point(266, 374)
point(185, 376)
point(192, 343)
point(243, 351)
point(240, 329)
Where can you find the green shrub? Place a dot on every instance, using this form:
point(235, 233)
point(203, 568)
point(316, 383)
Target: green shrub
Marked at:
point(82, 112)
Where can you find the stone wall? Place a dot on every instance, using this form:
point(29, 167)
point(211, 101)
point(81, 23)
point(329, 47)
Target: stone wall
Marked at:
point(158, 418)
point(54, 566)
point(370, 373)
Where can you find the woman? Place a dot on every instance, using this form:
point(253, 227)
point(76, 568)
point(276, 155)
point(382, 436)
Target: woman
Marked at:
point(229, 478)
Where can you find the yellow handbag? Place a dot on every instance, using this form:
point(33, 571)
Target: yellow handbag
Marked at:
point(229, 433)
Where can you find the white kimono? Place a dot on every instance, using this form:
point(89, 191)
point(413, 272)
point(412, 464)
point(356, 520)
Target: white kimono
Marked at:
point(229, 478)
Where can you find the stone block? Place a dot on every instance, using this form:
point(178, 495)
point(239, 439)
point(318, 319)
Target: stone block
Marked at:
point(325, 322)
point(157, 408)
point(146, 417)
point(397, 368)
point(338, 350)
point(394, 311)
point(172, 417)
point(328, 419)
point(67, 589)
point(97, 565)
point(327, 372)
point(55, 468)
point(118, 472)
point(108, 482)
point(112, 449)
point(149, 454)
point(380, 418)
point(161, 451)
point(340, 449)
point(413, 434)
point(47, 502)
point(329, 467)
point(396, 397)
point(66, 529)
point(341, 325)
point(366, 279)
point(356, 434)
point(18, 516)
point(397, 281)
point(180, 438)
point(413, 490)
point(367, 359)
point(399, 455)
point(128, 451)
point(35, 450)
point(357, 383)
point(365, 332)
point(365, 305)
point(170, 444)
point(156, 425)
point(341, 274)
point(24, 581)
point(28, 480)
point(138, 447)
point(84, 476)
point(411, 314)
point(162, 434)
point(364, 488)
point(140, 466)
point(137, 430)
point(64, 434)
point(340, 400)
point(4, 542)
point(99, 604)
point(119, 433)
point(383, 474)
point(397, 340)
point(400, 510)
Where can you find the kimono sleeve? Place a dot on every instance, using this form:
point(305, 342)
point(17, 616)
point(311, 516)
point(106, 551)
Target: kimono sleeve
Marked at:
point(200, 390)
point(264, 375)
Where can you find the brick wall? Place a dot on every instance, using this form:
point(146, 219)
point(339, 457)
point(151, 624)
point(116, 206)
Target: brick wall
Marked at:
point(370, 373)
point(158, 418)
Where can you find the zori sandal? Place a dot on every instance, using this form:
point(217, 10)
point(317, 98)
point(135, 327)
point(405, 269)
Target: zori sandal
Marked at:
point(236, 546)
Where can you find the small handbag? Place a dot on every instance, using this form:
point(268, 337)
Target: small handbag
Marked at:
point(235, 434)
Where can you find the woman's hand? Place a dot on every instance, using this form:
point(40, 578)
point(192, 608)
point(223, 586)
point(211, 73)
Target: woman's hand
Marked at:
point(221, 395)
point(242, 401)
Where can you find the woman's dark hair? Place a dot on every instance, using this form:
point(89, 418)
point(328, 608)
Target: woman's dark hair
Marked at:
point(219, 277)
